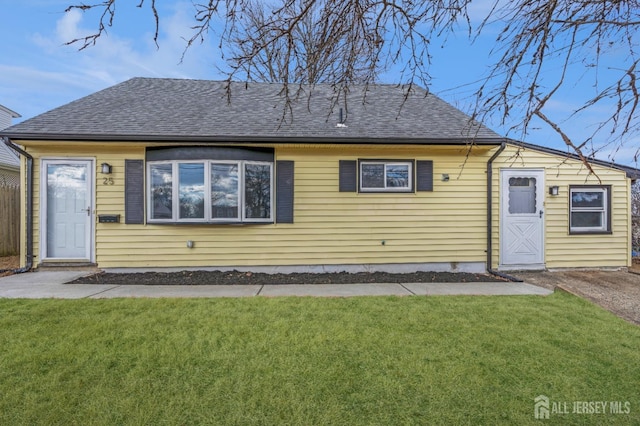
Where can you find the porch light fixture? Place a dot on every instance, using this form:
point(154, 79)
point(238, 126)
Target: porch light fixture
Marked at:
point(445, 177)
point(105, 168)
point(554, 190)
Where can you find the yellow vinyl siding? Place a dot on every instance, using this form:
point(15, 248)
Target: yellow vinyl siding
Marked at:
point(563, 250)
point(329, 227)
point(448, 224)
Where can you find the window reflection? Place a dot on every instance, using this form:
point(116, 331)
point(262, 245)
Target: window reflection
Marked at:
point(224, 191)
point(257, 191)
point(234, 191)
point(397, 176)
point(587, 199)
point(385, 176)
point(66, 176)
point(191, 190)
point(589, 209)
point(373, 175)
point(161, 186)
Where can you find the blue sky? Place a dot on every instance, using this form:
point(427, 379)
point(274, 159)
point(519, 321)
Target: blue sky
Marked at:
point(38, 72)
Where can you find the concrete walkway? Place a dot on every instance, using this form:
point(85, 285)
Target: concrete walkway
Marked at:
point(50, 284)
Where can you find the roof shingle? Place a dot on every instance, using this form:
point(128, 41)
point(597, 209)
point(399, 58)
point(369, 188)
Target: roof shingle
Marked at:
point(184, 110)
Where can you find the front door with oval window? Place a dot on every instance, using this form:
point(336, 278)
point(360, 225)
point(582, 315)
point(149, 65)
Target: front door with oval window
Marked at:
point(522, 219)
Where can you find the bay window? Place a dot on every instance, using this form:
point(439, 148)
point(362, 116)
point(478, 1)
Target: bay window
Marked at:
point(210, 191)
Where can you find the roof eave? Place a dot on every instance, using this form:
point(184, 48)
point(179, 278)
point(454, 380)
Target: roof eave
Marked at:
point(12, 113)
point(632, 173)
point(249, 139)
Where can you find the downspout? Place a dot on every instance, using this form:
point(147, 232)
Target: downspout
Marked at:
point(29, 158)
point(503, 145)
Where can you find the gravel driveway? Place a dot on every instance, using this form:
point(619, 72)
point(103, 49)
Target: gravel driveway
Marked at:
point(616, 291)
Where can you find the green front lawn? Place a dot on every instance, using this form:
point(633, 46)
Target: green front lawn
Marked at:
point(373, 360)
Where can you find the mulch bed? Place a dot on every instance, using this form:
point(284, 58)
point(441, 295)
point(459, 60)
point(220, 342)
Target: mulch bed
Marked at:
point(247, 278)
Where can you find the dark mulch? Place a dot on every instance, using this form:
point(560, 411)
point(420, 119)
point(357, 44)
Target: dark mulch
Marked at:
point(235, 277)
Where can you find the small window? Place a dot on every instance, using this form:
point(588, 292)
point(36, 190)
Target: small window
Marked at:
point(386, 176)
point(590, 209)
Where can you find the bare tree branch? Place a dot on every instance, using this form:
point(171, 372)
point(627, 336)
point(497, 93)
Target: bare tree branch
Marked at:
point(539, 33)
point(347, 42)
point(107, 19)
point(568, 142)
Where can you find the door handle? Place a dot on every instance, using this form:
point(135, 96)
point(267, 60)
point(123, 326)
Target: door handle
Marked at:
point(541, 213)
point(88, 210)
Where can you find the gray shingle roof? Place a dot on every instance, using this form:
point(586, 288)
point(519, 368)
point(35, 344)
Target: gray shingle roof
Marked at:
point(199, 110)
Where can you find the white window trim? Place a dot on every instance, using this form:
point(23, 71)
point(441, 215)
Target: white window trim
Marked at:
point(603, 210)
point(386, 188)
point(175, 190)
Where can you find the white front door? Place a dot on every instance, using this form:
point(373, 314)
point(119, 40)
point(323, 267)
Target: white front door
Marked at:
point(521, 219)
point(67, 214)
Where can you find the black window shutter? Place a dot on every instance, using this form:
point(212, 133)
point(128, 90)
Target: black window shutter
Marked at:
point(134, 191)
point(348, 176)
point(424, 175)
point(284, 191)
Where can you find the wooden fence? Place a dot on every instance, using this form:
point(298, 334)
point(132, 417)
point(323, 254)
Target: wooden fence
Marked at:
point(9, 220)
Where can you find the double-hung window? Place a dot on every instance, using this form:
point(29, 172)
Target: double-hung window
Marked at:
point(386, 176)
point(590, 208)
point(210, 191)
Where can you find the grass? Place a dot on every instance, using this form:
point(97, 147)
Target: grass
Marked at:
point(376, 360)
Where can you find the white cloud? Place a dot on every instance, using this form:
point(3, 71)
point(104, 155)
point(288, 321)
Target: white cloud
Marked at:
point(67, 26)
point(55, 73)
point(115, 59)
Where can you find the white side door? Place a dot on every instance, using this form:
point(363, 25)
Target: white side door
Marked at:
point(67, 210)
point(522, 219)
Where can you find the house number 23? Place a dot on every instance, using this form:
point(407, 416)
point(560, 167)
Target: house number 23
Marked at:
point(107, 181)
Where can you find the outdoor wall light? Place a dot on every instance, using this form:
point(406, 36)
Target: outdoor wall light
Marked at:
point(190, 244)
point(445, 177)
point(105, 168)
point(554, 190)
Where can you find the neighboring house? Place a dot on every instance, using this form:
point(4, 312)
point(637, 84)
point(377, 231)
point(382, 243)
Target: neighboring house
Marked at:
point(182, 173)
point(9, 161)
